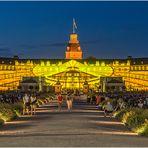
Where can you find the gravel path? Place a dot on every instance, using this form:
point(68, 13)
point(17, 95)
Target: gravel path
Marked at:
point(83, 126)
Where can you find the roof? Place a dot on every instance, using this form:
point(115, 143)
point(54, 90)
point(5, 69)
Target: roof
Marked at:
point(5, 60)
point(134, 61)
point(139, 61)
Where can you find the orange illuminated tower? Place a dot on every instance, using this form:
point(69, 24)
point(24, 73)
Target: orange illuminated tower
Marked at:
point(73, 49)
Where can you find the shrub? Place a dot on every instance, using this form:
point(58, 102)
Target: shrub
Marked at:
point(1, 122)
point(48, 99)
point(40, 102)
point(135, 121)
point(18, 108)
point(6, 112)
point(135, 118)
point(143, 129)
point(145, 113)
point(119, 114)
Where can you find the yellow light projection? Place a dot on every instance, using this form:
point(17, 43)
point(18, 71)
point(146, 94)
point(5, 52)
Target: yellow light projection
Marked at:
point(72, 74)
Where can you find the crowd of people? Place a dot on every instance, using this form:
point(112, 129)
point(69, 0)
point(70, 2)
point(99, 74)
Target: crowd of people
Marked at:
point(11, 97)
point(131, 99)
point(28, 99)
point(115, 101)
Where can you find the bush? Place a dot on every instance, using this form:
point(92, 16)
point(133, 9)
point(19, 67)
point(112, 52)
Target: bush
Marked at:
point(119, 114)
point(1, 122)
point(6, 112)
point(143, 129)
point(135, 118)
point(18, 108)
point(48, 99)
point(145, 113)
point(40, 102)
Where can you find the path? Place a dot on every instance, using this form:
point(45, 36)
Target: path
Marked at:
point(84, 126)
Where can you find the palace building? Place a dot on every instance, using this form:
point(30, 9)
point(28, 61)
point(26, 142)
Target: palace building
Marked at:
point(73, 71)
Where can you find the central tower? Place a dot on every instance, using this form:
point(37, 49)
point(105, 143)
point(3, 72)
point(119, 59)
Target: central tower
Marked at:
point(73, 49)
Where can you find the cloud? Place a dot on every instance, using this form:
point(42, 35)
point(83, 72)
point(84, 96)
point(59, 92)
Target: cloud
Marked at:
point(4, 49)
point(60, 44)
point(5, 52)
point(91, 42)
point(55, 44)
point(35, 46)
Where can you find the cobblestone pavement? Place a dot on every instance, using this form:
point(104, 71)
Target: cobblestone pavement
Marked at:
point(83, 126)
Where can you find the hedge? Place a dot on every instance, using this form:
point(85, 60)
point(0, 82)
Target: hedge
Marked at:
point(143, 129)
point(1, 122)
point(135, 118)
point(43, 100)
point(9, 112)
point(18, 108)
point(6, 112)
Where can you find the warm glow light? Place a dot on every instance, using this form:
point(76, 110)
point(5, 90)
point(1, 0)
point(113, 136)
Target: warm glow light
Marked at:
point(11, 132)
point(107, 122)
point(17, 122)
point(114, 133)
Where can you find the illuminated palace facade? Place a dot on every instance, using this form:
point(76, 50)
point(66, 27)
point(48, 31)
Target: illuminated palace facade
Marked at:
point(73, 71)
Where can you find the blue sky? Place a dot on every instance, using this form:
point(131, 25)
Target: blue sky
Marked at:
point(105, 29)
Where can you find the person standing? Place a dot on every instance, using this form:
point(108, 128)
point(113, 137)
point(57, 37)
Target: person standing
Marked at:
point(26, 101)
point(60, 100)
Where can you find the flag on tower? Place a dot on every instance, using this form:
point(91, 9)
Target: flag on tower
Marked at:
point(74, 25)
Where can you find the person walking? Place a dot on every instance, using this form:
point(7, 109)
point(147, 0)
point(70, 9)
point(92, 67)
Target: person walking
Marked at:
point(98, 99)
point(60, 101)
point(33, 101)
point(69, 99)
point(26, 101)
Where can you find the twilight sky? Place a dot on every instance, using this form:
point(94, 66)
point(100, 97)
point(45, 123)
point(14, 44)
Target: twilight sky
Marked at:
point(42, 29)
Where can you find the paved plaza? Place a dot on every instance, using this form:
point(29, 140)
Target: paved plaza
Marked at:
point(83, 126)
